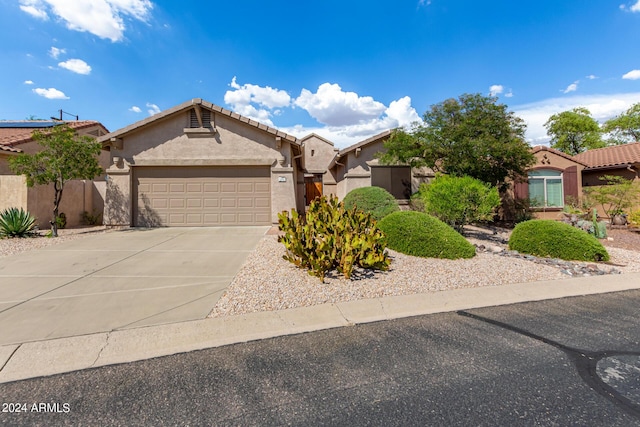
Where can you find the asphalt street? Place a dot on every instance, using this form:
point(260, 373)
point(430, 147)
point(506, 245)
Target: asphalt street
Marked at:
point(572, 361)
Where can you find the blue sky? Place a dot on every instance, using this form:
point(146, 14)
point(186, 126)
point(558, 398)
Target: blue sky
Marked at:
point(344, 69)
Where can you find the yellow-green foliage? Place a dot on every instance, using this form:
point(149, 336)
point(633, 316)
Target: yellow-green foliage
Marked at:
point(375, 200)
point(548, 238)
point(419, 234)
point(330, 236)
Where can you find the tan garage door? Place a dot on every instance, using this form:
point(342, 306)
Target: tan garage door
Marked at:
point(201, 196)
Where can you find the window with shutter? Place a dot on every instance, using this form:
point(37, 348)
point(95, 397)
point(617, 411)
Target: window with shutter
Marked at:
point(546, 188)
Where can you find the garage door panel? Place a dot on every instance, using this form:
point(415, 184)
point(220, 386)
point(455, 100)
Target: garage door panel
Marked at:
point(263, 187)
point(245, 202)
point(179, 188)
point(160, 203)
point(194, 187)
point(194, 203)
point(245, 187)
point(177, 219)
point(228, 202)
point(159, 188)
point(228, 187)
point(177, 203)
point(207, 196)
point(211, 187)
point(262, 202)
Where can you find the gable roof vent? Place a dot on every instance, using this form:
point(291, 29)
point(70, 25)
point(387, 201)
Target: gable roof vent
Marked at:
point(206, 119)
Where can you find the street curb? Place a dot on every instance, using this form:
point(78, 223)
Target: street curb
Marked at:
point(44, 358)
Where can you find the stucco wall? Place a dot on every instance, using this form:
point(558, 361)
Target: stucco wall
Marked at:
point(77, 197)
point(318, 154)
point(13, 192)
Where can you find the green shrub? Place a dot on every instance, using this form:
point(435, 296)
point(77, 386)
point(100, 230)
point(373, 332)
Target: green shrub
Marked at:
point(61, 220)
point(634, 219)
point(330, 236)
point(16, 222)
point(419, 234)
point(459, 200)
point(375, 200)
point(548, 238)
point(93, 218)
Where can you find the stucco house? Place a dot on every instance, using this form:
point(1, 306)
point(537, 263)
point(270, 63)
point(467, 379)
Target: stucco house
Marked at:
point(198, 164)
point(558, 179)
point(79, 195)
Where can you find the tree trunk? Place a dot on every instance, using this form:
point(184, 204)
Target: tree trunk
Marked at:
point(57, 187)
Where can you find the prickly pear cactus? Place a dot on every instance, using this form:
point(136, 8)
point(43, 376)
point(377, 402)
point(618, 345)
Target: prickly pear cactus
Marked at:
point(330, 236)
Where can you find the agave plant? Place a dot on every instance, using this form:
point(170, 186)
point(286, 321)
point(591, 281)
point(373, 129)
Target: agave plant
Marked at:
point(16, 222)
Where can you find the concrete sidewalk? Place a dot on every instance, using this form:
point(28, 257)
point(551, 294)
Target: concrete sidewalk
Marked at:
point(48, 357)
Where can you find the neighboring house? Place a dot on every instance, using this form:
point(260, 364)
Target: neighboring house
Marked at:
point(621, 160)
point(553, 182)
point(558, 179)
point(198, 164)
point(79, 195)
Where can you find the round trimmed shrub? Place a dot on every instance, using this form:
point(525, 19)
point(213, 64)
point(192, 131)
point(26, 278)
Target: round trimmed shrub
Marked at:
point(419, 234)
point(375, 200)
point(549, 238)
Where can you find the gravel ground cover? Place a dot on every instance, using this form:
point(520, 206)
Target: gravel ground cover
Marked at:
point(267, 282)
point(40, 239)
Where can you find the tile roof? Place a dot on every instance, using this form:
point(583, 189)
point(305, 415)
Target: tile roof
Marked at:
point(373, 139)
point(188, 105)
point(8, 149)
point(611, 156)
point(21, 132)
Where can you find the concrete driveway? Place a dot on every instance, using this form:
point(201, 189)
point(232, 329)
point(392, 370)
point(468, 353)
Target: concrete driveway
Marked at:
point(119, 280)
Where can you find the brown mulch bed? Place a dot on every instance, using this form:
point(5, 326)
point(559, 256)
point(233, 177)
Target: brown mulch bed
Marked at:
point(623, 239)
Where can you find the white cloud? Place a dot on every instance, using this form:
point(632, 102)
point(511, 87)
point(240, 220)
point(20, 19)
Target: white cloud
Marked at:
point(632, 75)
point(54, 52)
point(103, 18)
point(602, 108)
point(572, 87)
point(509, 94)
point(333, 107)
point(76, 65)
point(34, 8)
point(135, 109)
point(345, 117)
point(267, 98)
point(264, 96)
point(50, 93)
point(28, 82)
point(495, 90)
point(400, 113)
point(591, 77)
point(635, 7)
point(152, 109)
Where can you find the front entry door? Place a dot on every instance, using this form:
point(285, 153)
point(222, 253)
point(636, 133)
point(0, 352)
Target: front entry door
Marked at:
point(313, 188)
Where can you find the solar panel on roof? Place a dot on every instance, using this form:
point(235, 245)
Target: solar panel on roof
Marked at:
point(30, 125)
